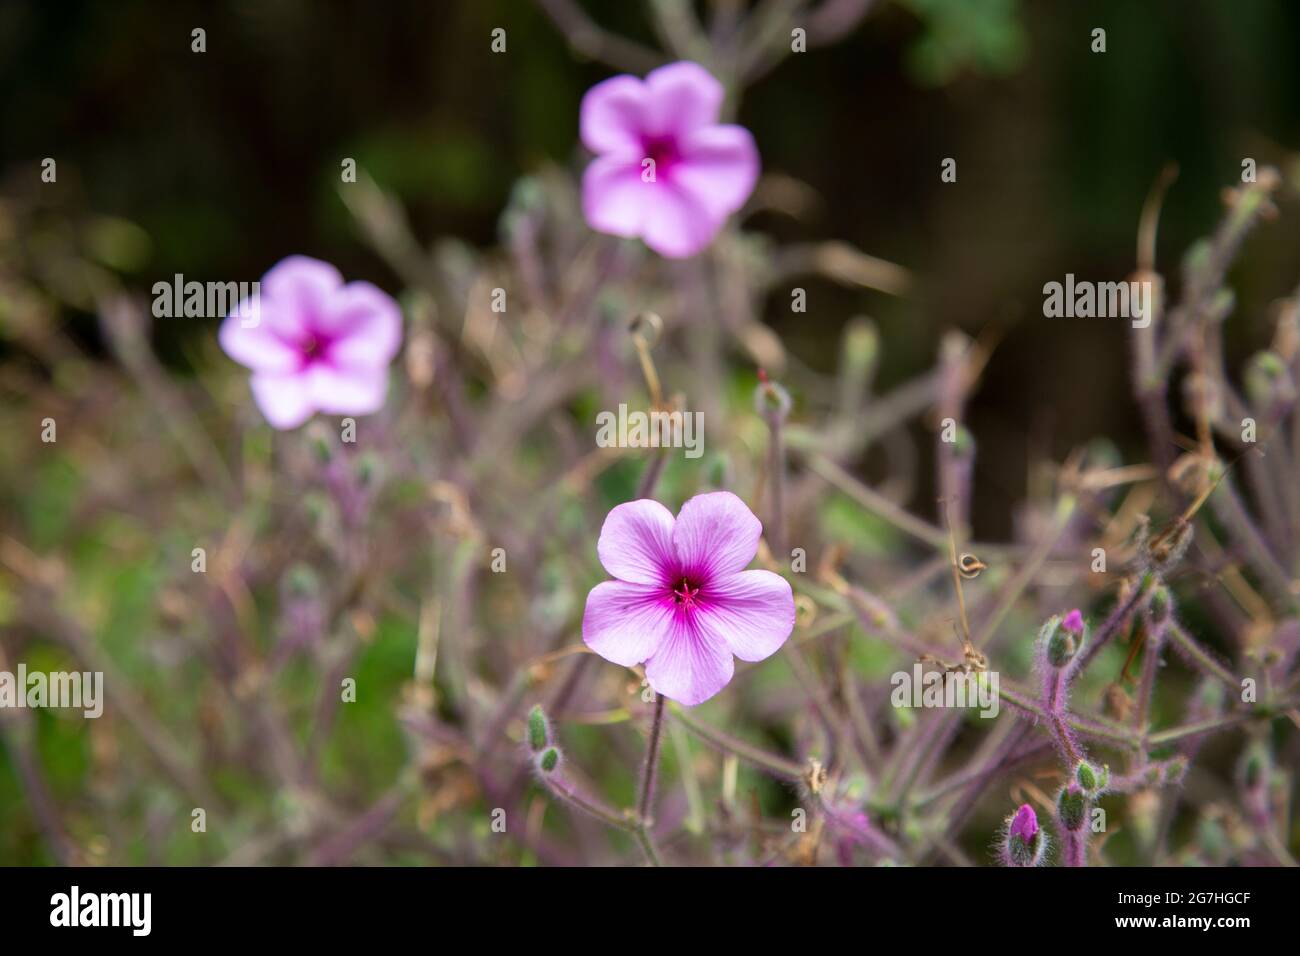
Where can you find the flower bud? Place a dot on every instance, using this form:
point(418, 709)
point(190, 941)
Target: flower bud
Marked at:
point(548, 760)
point(539, 734)
point(771, 400)
point(1091, 778)
point(1062, 638)
point(1071, 807)
point(1025, 841)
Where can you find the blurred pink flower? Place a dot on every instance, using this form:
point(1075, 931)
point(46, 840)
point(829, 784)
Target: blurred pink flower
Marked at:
point(665, 169)
point(313, 343)
point(683, 602)
point(1073, 622)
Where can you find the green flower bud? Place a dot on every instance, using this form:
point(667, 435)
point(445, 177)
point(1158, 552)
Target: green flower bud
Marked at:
point(548, 760)
point(1061, 643)
point(771, 400)
point(538, 733)
point(1091, 778)
point(1071, 808)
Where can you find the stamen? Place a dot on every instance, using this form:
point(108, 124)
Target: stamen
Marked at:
point(685, 596)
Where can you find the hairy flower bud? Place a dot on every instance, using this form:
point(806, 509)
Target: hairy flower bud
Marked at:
point(539, 734)
point(1091, 778)
point(1071, 807)
point(548, 760)
point(1062, 638)
point(1025, 841)
point(771, 400)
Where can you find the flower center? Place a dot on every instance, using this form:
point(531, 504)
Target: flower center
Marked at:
point(313, 348)
point(661, 149)
point(684, 595)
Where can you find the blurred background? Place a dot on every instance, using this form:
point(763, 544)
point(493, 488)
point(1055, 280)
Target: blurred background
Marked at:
point(228, 160)
point(217, 165)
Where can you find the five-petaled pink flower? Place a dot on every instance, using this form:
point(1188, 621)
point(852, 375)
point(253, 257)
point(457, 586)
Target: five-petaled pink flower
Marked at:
point(313, 343)
point(665, 169)
point(683, 602)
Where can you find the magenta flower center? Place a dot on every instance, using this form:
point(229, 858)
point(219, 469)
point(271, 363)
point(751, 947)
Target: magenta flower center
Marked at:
point(686, 594)
point(661, 149)
point(313, 348)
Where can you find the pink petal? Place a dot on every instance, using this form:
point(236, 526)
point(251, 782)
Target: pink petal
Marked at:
point(716, 535)
point(636, 542)
point(295, 290)
point(285, 400)
point(625, 623)
point(367, 323)
point(719, 168)
point(610, 118)
point(258, 347)
point(690, 665)
point(677, 224)
point(751, 612)
point(614, 199)
point(681, 97)
point(339, 390)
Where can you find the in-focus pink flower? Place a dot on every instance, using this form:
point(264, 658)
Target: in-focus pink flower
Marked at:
point(683, 602)
point(1073, 622)
point(313, 343)
point(665, 170)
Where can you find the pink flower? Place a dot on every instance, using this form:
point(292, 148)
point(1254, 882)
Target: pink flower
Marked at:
point(683, 602)
point(313, 343)
point(1073, 622)
point(665, 170)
